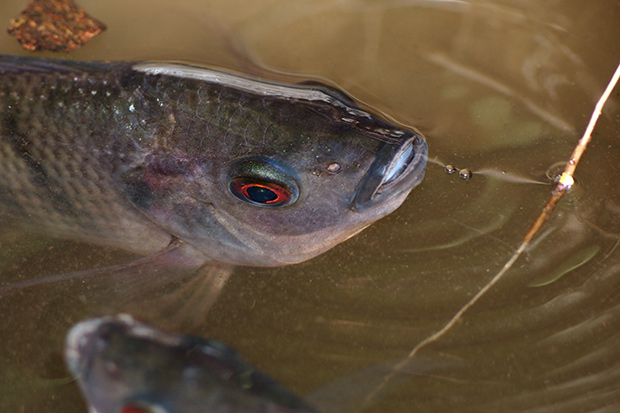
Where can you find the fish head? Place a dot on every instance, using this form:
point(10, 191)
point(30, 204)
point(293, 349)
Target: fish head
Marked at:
point(278, 177)
point(124, 366)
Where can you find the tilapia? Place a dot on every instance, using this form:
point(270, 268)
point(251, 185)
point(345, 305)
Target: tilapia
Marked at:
point(224, 168)
point(123, 366)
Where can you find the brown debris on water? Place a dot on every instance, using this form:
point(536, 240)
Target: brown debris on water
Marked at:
point(54, 25)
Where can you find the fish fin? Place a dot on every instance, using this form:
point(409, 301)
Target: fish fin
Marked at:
point(23, 64)
point(172, 284)
point(185, 302)
point(201, 294)
point(174, 256)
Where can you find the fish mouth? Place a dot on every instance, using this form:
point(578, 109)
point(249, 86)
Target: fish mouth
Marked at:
point(78, 342)
point(397, 169)
point(81, 344)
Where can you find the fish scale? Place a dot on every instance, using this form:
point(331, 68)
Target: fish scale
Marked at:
point(70, 193)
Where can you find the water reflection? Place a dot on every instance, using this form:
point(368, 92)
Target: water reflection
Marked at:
point(499, 85)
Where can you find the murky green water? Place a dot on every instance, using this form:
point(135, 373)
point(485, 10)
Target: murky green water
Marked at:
point(504, 87)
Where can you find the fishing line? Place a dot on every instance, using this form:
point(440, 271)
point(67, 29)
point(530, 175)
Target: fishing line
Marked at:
point(563, 185)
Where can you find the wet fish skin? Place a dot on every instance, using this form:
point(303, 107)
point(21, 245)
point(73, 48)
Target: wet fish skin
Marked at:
point(119, 362)
point(62, 146)
point(133, 155)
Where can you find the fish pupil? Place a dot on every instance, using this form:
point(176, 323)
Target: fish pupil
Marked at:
point(261, 194)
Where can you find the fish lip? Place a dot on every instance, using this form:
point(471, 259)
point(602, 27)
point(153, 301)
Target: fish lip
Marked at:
point(377, 186)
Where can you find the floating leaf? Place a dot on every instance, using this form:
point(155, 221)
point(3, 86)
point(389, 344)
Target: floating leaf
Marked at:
point(55, 25)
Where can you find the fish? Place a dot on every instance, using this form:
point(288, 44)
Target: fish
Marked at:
point(124, 366)
point(191, 166)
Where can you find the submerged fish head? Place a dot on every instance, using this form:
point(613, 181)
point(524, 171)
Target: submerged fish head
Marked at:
point(278, 177)
point(122, 365)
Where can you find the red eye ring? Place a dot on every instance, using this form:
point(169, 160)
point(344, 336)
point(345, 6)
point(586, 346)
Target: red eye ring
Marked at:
point(261, 193)
point(280, 194)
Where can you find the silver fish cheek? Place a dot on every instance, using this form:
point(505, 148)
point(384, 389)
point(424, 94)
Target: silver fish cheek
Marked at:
point(184, 210)
point(259, 247)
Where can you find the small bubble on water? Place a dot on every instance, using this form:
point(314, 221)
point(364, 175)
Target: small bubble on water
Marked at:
point(465, 174)
point(450, 169)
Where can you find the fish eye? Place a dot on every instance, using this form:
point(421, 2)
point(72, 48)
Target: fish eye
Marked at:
point(263, 184)
point(260, 193)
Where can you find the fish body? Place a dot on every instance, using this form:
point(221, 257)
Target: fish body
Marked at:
point(125, 366)
point(243, 172)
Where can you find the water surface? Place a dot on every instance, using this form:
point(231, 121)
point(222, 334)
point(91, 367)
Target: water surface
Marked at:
point(504, 87)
